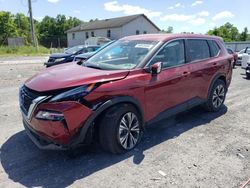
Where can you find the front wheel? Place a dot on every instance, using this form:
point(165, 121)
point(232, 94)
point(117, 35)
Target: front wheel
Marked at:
point(216, 96)
point(120, 129)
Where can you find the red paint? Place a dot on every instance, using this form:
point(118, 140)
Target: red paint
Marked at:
point(75, 115)
point(70, 75)
point(155, 93)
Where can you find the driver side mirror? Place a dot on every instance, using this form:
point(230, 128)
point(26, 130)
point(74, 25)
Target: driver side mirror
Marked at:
point(156, 68)
point(79, 62)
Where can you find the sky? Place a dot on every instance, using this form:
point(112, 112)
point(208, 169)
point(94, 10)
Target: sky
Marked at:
point(196, 16)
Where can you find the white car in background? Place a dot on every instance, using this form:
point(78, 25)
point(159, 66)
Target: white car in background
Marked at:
point(245, 58)
point(240, 53)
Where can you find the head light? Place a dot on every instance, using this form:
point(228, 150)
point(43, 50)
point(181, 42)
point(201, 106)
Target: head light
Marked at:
point(59, 60)
point(75, 94)
point(50, 115)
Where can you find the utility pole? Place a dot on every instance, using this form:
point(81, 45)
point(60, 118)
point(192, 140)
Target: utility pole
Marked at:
point(33, 34)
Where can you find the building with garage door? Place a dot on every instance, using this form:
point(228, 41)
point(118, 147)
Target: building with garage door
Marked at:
point(114, 28)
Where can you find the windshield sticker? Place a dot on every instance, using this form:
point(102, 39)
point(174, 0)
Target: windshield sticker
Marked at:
point(147, 46)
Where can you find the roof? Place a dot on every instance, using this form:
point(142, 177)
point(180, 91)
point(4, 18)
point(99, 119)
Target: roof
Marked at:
point(167, 37)
point(108, 23)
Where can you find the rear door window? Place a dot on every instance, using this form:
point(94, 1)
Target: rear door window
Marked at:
point(197, 49)
point(214, 48)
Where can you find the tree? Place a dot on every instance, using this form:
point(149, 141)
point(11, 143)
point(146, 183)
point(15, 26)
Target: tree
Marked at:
point(244, 35)
point(170, 29)
point(227, 31)
point(51, 31)
point(93, 20)
point(8, 27)
point(23, 26)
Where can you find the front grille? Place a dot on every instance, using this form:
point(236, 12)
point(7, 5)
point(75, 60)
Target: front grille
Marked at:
point(26, 96)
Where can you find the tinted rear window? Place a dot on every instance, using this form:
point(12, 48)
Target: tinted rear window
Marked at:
point(197, 49)
point(214, 47)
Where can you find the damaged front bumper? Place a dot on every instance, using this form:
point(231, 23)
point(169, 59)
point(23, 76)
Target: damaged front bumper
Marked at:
point(64, 134)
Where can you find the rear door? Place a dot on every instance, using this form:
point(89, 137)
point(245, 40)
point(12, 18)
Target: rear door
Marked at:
point(199, 62)
point(205, 62)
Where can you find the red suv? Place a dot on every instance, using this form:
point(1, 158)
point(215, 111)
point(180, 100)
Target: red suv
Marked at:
point(133, 82)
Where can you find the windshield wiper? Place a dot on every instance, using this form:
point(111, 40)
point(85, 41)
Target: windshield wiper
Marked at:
point(94, 66)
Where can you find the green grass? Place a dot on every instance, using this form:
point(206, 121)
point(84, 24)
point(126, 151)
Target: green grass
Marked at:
point(23, 51)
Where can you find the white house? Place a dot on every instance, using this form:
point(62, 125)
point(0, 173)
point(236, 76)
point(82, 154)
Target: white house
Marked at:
point(114, 28)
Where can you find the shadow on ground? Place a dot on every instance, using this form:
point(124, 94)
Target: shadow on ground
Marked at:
point(29, 166)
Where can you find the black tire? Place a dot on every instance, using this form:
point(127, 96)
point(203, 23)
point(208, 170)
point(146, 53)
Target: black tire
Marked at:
point(247, 74)
point(234, 64)
point(214, 104)
point(110, 128)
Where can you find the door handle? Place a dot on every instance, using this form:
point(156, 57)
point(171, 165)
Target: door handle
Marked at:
point(185, 74)
point(214, 64)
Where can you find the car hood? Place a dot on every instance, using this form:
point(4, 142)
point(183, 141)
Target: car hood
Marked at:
point(239, 55)
point(71, 75)
point(60, 55)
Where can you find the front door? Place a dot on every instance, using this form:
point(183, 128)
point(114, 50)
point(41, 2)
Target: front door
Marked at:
point(173, 85)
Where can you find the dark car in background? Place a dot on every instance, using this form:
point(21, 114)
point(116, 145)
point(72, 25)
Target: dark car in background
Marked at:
point(83, 57)
point(69, 54)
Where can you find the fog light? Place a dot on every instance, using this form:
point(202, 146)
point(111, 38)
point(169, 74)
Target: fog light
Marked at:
point(49, 115)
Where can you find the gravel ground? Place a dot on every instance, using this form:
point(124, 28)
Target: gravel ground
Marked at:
point(192, 149)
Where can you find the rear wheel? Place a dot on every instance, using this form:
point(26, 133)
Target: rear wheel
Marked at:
point(248, 72)
point(248, 75)
point(216, 96)
point(120, 129)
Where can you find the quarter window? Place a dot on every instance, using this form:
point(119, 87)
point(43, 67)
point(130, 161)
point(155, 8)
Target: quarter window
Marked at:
point(197, 49)
point(214, 48)
point(230, 51)
point(171, 55)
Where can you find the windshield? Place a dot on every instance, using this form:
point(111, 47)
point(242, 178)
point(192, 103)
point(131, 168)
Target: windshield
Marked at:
point(74, 49)
point(242, 51)
point(122, 54)
point(104, 46)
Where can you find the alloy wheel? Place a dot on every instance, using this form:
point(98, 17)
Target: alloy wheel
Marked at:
point(218, 96)
point(129, 130)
